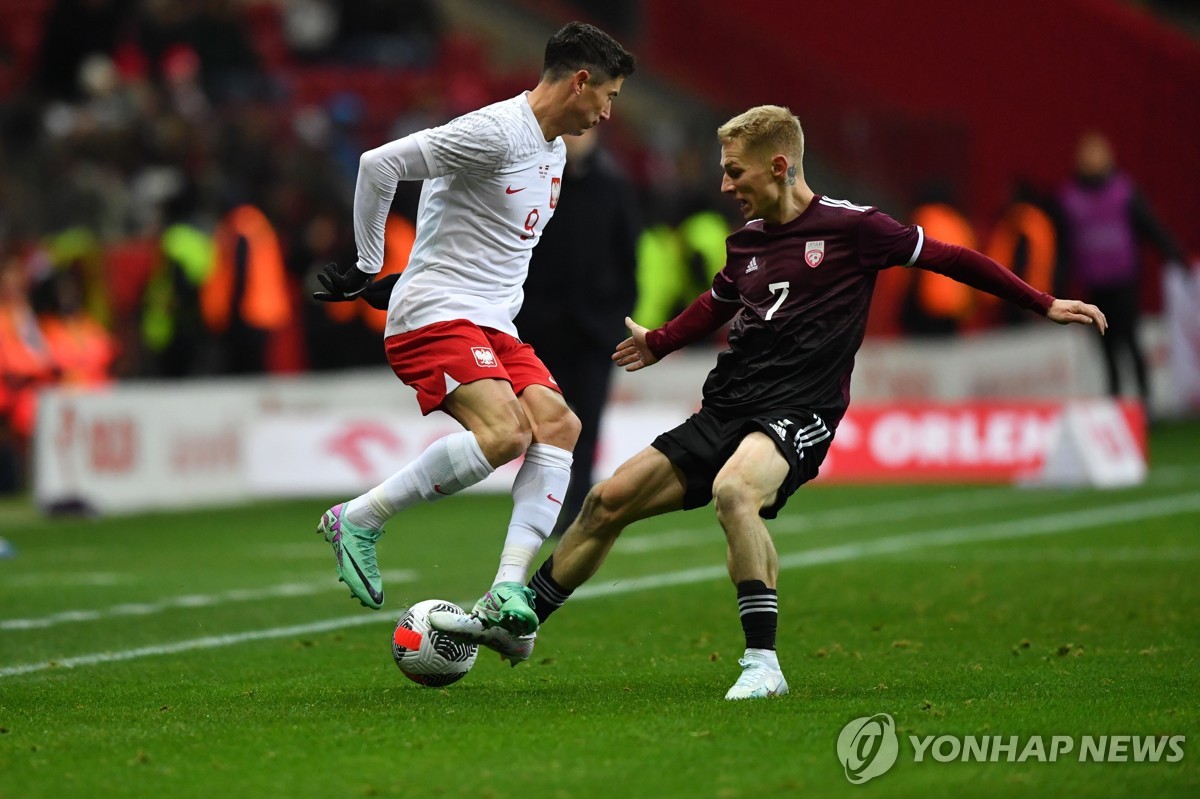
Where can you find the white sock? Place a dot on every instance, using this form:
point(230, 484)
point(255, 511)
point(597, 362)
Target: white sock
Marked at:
point(449, 465)
point(538, 492)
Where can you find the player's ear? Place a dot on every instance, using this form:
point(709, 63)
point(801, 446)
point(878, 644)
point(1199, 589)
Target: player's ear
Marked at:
point(779, 166)
point(578, 80)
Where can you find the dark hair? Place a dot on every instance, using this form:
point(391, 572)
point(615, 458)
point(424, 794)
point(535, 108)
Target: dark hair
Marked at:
point(582, 46)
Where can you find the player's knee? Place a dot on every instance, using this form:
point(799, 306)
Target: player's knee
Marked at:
point(734, 497)
point(602, 509)
point(560, 430)
point(506, 442)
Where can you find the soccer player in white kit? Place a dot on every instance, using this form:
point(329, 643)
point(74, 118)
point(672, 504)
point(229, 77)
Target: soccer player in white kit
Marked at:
point(492, 181)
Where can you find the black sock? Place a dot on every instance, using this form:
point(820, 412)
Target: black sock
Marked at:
point(758, 607)
point(550, 595)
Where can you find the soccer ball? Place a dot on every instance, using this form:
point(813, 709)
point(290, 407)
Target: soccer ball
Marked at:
point(424, 654)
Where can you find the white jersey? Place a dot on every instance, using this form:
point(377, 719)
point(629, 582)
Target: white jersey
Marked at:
point(492, 183)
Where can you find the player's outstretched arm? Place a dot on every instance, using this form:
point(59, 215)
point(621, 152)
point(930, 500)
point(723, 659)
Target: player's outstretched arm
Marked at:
point(1067, 312)
point(633, 353)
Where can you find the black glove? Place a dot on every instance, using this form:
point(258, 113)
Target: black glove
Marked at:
point(341, 285)
point(379, 292)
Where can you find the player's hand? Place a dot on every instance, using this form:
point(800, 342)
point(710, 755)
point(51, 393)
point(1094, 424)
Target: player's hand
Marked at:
point(379, 293)
point(632, 353)
point(1066, 312)
point(341, 284)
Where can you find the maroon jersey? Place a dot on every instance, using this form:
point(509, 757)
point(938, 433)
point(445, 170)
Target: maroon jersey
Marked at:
point(804, 288)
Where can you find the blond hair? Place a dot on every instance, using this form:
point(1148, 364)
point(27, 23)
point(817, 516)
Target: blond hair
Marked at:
point(766, 127)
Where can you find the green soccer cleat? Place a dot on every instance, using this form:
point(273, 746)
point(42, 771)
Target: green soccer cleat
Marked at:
point(508, 605)
point(471, 630)
point(354, 548)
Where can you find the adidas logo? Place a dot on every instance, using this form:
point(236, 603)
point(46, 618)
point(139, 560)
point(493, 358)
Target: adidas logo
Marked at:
point(753, 265)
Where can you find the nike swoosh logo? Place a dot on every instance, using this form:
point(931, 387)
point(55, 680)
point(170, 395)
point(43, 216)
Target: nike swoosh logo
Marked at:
point(377, 596)
point(552, 499)
point(511, 190)
point(437, 487)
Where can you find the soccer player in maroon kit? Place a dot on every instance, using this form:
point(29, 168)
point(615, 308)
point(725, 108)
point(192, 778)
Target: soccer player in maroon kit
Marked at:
point(797, 283)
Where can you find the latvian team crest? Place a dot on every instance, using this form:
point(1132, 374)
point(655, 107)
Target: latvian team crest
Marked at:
point(814, 253)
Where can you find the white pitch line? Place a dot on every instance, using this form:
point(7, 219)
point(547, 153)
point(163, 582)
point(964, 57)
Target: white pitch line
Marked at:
point(840, 517)
point(1046, 554)
point(210, 642)
point(1052, 524)
point(186, 601)
point(72, 579)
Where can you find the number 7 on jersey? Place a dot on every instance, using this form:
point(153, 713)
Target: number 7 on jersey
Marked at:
point(782, 288)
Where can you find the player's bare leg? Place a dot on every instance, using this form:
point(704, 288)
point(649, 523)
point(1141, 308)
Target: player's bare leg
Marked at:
point(646, 485)
point(490, 410)
point(748, 482)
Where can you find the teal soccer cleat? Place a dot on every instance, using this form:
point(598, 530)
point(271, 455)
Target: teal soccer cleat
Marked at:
point(510, 606)
point(354, 548)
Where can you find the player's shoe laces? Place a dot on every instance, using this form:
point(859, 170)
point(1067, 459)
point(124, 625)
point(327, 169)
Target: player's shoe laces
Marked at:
point(759, 679)
point(354, 548)
point(508, 605)
point(472, 630)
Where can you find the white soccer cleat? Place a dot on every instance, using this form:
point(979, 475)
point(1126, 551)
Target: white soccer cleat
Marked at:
point(760, 678)
point(471, 630)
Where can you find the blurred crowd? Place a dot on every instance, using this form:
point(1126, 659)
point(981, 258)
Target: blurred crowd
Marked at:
point(174, 172)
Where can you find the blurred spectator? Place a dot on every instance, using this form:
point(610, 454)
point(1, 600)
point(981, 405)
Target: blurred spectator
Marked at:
point(675, 263)
point(1181, 290)
point(248, 295)
point(74, 31)
point(935, 305)
point(215, 32)
point(1106, 220)
point(335, 333)
point(181, 79)
point(26, 365)
point(661, 276)
point(173, 335)
point(1026, 241)
point(341, 335)
point(310, 27)
point(581, 286)
point(78, 250)
point(81, 348)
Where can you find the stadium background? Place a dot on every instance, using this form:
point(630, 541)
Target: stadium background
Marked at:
point(138, 137)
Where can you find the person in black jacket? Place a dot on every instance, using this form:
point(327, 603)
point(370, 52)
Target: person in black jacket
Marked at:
point(581, 286)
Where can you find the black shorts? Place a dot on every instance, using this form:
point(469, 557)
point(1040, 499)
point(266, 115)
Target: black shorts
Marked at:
point(700, 447)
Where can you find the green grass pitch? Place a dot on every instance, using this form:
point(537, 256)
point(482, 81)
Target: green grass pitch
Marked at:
point(213, 653)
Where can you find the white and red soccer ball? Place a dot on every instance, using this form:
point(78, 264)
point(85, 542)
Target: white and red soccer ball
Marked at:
point(425, 655)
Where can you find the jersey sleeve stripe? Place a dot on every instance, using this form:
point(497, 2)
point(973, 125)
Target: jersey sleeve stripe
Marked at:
point(920, 243)
point(426, 152)
point(719, 298)
point(849, 206)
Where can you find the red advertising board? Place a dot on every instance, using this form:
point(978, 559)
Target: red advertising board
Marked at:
point(969, 442)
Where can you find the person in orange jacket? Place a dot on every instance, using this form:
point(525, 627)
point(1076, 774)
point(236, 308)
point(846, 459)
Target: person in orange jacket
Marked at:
point(82, 350)
point(26, 365)
point(247, 296)
point(935, 304)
